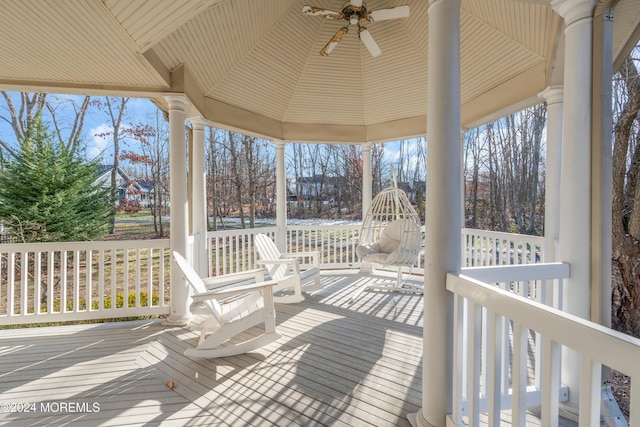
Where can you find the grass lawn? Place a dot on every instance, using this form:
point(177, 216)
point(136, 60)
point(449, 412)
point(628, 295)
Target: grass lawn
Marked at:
point(137, 226)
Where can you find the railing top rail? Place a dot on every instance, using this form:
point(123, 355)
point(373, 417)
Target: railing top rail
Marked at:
point(605, 345)
point(515, 273)
point(87, 245)
point(240, 231)
point(325, 227)
point(505, 235)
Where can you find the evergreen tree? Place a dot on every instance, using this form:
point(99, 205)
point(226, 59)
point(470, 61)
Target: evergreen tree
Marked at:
point(48, 194)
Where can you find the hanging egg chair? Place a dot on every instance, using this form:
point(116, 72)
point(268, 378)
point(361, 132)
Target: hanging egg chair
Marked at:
point(390, 236)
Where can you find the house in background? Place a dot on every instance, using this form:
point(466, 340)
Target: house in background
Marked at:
point(128, 189)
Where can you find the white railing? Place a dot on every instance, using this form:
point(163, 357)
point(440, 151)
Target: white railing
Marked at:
point(54, 282)
point(336, 243)
point(484, 344)
point(88, 289)
point(232, 250)
point(503, 385)
point(480, 247)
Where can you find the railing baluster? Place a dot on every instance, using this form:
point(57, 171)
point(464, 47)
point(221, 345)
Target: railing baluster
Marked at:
point(474, 363)
point(138, 290)
point(37, 275)
point(590, 372)
point(51, 267)
point(161, 276)
point(12, 283)
point(519, 375)
point(114, 282)
point(76, 280)
point(634, 401)
point(458, 359)
point(494, 374)
point(101, 293)
point(550, 382)
point(65, 282)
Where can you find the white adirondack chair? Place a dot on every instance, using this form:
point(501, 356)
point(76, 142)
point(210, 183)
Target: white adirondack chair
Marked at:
point(285, 269)
point(232, 308)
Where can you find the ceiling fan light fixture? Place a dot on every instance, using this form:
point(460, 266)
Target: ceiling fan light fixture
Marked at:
point(328, 48)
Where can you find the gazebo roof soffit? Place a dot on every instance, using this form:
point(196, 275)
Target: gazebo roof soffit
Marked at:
point(255, 66)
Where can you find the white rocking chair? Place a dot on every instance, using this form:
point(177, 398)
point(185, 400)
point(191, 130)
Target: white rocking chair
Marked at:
point(390, 236)
point(232, 308)
point(285, 269)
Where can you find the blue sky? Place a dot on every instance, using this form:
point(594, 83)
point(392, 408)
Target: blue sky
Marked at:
point(96, 121)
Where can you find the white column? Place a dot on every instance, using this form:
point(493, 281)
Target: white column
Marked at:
point(281, 198)
point(575, 188)
point(602, 165)
point(602, 173)
point(198, 198)
point(180, 314)
point(367, 186)
point(553, 96)
point(443, 210)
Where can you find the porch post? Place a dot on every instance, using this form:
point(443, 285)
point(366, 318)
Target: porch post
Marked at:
point(443, 211)
point(199, 215)
point(602, 173)
point(576, 185)
point(367, 190)
point(553, 96)
point(281, 198)
point(180, 314)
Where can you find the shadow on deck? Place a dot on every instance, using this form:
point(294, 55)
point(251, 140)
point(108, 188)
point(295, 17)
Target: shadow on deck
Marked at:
point(338, 363)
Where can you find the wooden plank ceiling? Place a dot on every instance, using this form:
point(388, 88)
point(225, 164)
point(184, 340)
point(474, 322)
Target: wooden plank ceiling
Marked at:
point(255, 65)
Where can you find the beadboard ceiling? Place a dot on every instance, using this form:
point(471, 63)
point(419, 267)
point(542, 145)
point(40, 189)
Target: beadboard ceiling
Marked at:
point(254, 65)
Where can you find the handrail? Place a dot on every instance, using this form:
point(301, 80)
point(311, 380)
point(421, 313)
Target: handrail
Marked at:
point(596, 344)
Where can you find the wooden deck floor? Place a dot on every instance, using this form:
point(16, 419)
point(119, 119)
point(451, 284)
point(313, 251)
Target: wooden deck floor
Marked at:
point(337, 364)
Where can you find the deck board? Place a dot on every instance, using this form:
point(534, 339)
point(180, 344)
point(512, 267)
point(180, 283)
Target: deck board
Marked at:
point(339, 363)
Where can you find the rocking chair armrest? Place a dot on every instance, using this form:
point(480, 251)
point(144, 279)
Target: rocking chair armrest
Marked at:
point(214, 282)
point(291, 261)
point(229, 291)
point(277, 261)
point(314, 255)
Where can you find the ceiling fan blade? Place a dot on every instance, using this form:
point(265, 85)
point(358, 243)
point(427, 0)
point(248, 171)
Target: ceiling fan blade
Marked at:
point(328, 48)
point(390, 13)
point(323, 13)
point(369, 42)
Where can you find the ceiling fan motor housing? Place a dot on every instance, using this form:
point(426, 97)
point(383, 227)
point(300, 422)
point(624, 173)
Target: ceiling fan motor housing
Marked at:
point(353, 13)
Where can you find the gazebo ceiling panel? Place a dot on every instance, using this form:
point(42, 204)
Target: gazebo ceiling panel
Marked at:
point(149, 21)
point(626, 28)
point(68, 42)
point(490, 57)
point(255, 65)
point(528, 25)
point(218, 40)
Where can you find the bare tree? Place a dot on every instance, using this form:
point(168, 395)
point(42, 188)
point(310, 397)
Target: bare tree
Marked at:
point(19, 115)
point(626, 200)
point(115, 109)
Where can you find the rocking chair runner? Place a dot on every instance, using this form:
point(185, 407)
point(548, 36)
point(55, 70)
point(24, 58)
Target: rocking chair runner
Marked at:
point(232, 308)
point(285, 269)
point(390, 236)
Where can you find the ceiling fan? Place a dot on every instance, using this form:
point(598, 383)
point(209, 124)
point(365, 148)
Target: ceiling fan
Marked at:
point(353, 12)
